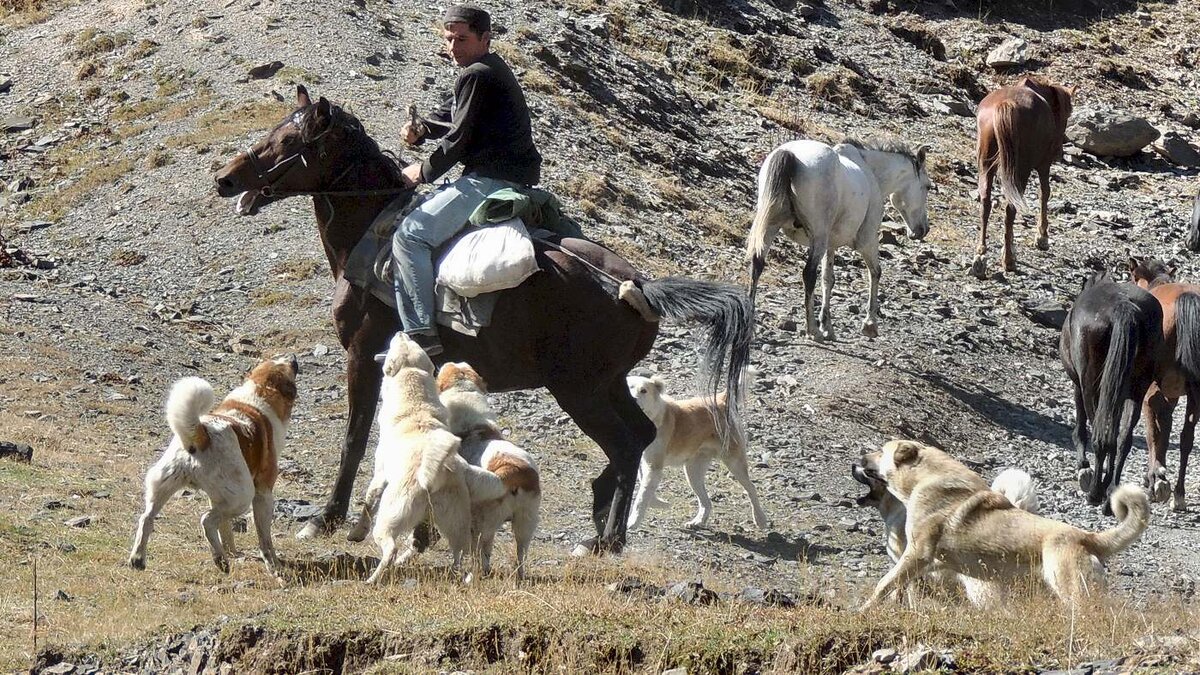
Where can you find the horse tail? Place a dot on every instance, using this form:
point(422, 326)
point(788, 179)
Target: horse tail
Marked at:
point(1006, 155)
point(1115, 381)
point(774, 195)
point(1187, 335)
point(729, 317)
point(1193, 238)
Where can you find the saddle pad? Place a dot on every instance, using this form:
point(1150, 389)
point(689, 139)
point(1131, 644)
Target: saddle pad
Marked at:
point(488, 259)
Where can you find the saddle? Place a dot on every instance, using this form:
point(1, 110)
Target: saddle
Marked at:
point(494, 252)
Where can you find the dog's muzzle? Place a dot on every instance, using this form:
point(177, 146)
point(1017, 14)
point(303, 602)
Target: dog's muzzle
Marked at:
point(872, 480)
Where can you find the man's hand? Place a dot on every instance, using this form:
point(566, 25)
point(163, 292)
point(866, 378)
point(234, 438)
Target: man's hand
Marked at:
point(409, 133)
point(412, 175)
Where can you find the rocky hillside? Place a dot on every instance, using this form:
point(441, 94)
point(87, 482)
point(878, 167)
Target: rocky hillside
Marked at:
point(122, 269)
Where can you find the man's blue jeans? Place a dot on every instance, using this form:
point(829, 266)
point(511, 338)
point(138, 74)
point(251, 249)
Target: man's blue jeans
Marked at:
point(433, 223)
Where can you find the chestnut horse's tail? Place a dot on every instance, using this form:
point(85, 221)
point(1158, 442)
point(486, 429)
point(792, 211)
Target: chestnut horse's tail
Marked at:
point(774, 198)
point(1006, 155)
point(725, 310)
point(1115, 381)
point(1187, 335)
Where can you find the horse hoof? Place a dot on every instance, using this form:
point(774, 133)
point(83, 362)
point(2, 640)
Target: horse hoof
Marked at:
point(1160, 491)
point(1179, 504)
point(1042, 243)
point(870, 330)
point(1086, 476)
point(978, 268)
point(357, 534)
point(315, 528)
point(1010, 265)
point(585, 548)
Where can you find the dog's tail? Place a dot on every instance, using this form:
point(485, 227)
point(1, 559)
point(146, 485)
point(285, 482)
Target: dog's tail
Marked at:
point(436, 458)
point(484, 485)
point(1132, 508)
point(776, 205)
point(190, 398)
point(1019, 487)
point(513, 466)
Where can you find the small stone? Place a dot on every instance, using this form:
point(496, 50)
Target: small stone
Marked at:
point(81, 521)
point(16, 123)
point(320, 350)
point(262, 72)
point(1010, 53)
point(63, 596)
point(17, 451)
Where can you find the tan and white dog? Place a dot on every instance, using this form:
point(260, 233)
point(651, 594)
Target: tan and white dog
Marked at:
point(688, 436)
point(956, 523)
point(1014, 484)
point(229, 452)
point(417, 466)
point(464, 393)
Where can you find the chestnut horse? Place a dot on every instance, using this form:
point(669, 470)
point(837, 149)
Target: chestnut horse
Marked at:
point(1179, 375)
point(1110, 346)
point(1021, 128)
point(566, 328)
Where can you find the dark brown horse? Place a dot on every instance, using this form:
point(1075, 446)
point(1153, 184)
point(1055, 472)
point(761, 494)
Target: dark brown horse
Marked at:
point(1110, 346)
point(564, 328)
point(1021, 128)
point(1179, 375)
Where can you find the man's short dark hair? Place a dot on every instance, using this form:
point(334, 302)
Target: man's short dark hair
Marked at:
point(477, 20)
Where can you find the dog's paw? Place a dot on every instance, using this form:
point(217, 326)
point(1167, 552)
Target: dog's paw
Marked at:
point(1086, 477)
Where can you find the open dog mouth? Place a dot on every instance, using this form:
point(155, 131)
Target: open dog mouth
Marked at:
point(874, 482)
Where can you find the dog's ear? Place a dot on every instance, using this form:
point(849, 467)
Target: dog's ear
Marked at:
point(906, 452)
point(657, 384)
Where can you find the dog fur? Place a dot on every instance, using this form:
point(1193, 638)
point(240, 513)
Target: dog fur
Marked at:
point(229, 452)
point(417, 467)
point(688, 436)
point(955, 522)
point(1014, 484)
point(464, 393)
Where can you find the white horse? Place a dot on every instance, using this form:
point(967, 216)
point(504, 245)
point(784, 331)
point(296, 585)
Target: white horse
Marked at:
point(826, 198)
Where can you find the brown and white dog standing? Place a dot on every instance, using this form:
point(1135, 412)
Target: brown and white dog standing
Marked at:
point(687, 435)
point(418, 470)
point(464, 393)
point(956, 523)
point(229, 452)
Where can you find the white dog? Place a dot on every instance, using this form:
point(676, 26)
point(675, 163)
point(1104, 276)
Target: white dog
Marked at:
point(688, 436)
point(229, 452)
point(469, 416)
point(417, 466)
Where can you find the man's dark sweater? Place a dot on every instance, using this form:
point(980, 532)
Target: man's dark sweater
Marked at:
point(488, 127)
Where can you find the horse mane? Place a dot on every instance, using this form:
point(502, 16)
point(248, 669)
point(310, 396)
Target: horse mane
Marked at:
point(885, 144)
point(357, 143)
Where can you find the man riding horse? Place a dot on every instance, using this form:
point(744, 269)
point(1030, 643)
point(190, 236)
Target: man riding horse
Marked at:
point(484, 125)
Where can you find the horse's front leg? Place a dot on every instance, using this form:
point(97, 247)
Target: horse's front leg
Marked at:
point(979, 266)
point(1007, 257)
point(871, 260)
point(1187, 437)
point(1042, 242)
point(363, 377)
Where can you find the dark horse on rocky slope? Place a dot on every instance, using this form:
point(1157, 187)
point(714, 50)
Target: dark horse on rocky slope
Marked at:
point(1110, 346)
point(566, 328)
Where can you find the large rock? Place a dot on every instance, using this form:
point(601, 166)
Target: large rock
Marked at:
point(1175, 149)
point(1010, 53)
point(1110, 133)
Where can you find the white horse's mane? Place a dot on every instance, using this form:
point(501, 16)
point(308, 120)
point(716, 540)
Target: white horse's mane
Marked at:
point(885, 144)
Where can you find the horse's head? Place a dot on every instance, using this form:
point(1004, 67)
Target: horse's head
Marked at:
point(1193, 238)
point(303, 154)
point(911, 199)
point(1150, 272)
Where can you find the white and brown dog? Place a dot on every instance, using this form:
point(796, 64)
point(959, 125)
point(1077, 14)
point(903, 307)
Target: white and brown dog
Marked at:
point(229, 452)
point(464, 393)
point(688, 436)
point(956, 523)
point(417, 466)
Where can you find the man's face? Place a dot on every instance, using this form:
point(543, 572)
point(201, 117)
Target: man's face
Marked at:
point(464, 45)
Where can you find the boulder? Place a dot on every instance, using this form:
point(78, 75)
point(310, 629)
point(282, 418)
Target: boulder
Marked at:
point(1010, 53)
point(1110, 133)
point(1177, 150)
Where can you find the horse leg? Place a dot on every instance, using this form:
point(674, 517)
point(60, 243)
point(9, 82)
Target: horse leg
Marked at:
point(1158, 411)
point(1043, 236)
point(870, 254)
point(1186, 437)
point(612, 423)
point(825, 322)
point(1007, 258)
point(363, 377)
point(810, 285)
point(979, 266)
point(1084, 472)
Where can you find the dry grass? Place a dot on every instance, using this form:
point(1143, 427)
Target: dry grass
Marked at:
point(838, 85)
point(90, 170)
point(223, 125)
point(17, 13)
point(298, 269)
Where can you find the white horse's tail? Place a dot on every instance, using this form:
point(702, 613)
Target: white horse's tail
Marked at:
point(774, 196)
